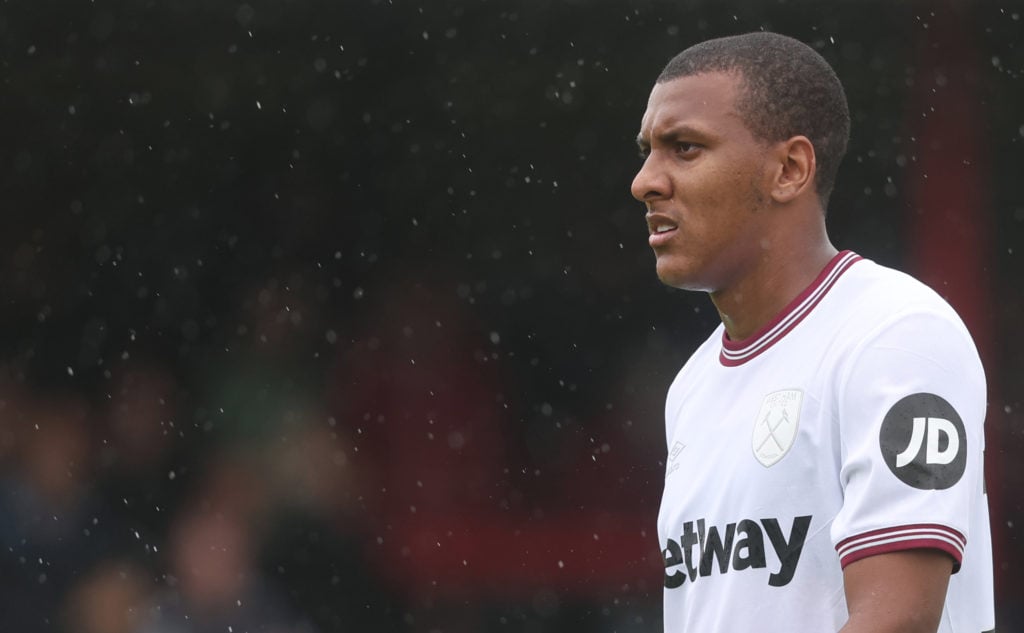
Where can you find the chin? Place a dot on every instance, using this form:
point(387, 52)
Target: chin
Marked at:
point(676, 276)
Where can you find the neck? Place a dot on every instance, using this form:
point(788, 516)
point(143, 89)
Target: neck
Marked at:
point(773, 282)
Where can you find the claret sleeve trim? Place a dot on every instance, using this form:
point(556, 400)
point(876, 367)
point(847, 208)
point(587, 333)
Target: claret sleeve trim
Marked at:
point(904, 537)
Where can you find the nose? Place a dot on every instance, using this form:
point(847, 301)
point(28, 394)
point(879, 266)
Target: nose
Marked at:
point(650, 182)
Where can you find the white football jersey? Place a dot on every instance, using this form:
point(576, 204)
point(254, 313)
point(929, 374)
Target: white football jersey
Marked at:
point(849, 426)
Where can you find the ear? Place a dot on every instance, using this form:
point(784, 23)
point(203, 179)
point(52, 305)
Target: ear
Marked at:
point(795, 170)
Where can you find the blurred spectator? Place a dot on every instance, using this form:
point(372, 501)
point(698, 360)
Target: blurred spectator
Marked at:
point(312, 470)
point(214, 583)
point(316, 542)
point(140, 438)
point(140, 421)
point(113, 598)
point(53, 526)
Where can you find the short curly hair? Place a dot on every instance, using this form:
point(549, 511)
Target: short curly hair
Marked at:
point(787, 89)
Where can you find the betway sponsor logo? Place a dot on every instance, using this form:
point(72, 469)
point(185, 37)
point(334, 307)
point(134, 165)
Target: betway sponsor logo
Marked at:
point(701, 549)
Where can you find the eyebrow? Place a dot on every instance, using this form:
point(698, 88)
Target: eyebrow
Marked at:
point(673, 133)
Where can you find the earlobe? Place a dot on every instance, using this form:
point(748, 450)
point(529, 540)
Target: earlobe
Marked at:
point(795, 171)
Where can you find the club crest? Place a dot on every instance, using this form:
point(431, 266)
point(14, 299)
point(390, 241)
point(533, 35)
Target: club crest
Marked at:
point(776, 425)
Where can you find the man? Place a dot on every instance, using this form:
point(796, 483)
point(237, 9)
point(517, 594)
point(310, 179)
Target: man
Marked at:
point(824, 468)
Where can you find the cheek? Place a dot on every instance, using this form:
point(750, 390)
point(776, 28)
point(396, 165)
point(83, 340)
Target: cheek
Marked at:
point(726, 217)
point(739, 199)
point(720, 185)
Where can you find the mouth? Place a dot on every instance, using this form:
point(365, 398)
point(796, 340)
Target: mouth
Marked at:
point(661, 231)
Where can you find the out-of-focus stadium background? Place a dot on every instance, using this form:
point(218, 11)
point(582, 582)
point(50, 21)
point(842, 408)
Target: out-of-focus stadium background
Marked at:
point(338, 316)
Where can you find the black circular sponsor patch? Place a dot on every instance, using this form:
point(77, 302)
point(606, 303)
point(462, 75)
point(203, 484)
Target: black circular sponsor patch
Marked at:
point(923, 442)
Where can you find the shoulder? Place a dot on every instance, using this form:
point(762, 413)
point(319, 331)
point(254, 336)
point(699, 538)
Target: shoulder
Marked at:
point(877, 301)
point(889, 290)
point(902, 338)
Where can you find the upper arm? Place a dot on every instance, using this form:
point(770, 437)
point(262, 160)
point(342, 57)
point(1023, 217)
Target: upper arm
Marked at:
point(911, 431)
point(898, 592)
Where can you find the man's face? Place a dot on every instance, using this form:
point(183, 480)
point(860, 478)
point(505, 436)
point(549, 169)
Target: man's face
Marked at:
point(705, 182)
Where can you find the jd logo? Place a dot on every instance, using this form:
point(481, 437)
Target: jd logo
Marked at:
point(938, 428)
point(923, 442)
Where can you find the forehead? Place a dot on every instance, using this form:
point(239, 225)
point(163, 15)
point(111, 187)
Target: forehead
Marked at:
point(704, 100)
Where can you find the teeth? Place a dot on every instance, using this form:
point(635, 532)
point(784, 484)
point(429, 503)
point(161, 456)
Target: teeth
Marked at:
point(663, 229)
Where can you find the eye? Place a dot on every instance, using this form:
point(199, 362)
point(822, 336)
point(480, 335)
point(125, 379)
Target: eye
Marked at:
point(684, 148)
point(644, 152)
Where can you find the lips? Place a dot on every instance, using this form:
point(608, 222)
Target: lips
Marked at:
point(661, 228)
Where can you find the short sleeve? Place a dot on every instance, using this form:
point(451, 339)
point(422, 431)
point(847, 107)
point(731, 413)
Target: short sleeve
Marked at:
point(910, 413)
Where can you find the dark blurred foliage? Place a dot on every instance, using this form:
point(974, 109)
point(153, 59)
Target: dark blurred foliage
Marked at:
point(289, 269)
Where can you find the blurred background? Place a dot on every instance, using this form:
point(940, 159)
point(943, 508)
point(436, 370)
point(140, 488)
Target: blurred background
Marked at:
point(338, 316)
